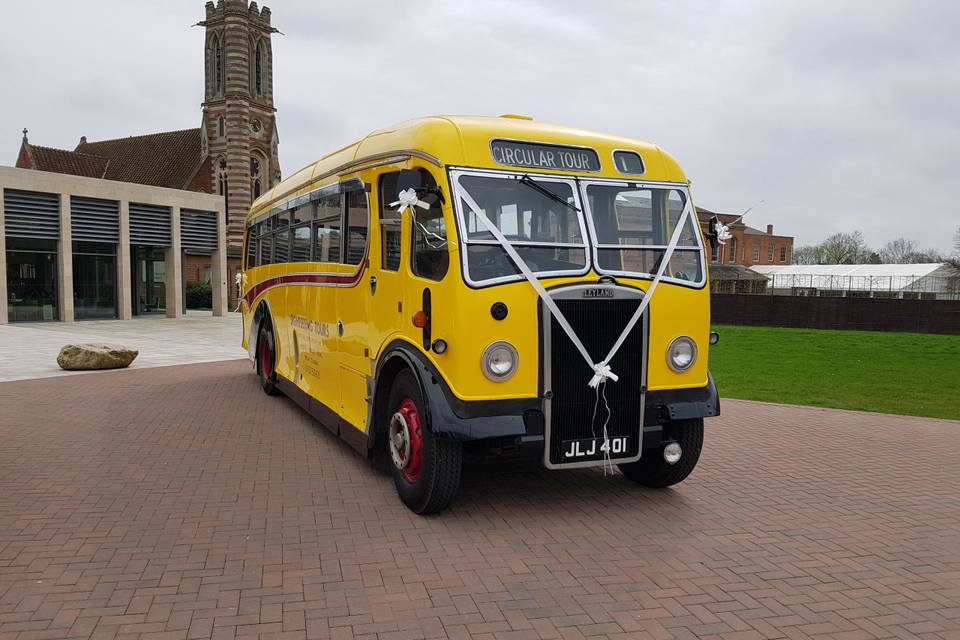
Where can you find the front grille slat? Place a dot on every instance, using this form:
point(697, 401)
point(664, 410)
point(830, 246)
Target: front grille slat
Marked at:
point(598, 323)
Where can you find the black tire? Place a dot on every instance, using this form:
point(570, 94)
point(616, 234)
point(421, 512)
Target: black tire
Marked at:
point(652, 470)
point(438, 480)
point(266, 361)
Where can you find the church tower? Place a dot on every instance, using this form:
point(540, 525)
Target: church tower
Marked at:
point(239, 130)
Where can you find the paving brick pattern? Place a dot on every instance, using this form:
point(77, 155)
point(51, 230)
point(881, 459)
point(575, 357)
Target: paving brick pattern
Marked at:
point(180, 502)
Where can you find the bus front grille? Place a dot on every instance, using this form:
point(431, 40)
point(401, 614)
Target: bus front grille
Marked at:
point(576, 411)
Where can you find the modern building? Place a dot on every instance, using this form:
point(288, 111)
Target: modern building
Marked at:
point(77, 248)
point(933, 281)
point(234, 151)
point(747, 246)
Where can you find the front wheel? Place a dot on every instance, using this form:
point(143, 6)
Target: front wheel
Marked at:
point(653, 470)
point(426, 469)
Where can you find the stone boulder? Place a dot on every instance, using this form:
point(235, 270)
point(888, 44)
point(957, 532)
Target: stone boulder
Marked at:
point(77, 357)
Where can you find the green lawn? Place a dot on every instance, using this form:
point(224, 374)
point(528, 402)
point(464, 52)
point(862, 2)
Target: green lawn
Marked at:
point(906, 373)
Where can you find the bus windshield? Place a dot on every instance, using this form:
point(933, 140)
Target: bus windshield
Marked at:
point(633, 226)
point(542, 222)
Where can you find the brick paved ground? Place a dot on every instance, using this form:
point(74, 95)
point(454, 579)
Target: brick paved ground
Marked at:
point(180, 502)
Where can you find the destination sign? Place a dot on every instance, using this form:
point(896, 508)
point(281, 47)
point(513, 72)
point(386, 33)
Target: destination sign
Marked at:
point(544, 156)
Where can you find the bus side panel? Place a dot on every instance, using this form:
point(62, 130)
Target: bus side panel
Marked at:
point(313, 339)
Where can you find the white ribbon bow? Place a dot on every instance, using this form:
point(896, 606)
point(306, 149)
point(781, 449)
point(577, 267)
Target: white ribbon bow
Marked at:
point(241, 280)
point(408, 200)
point(723, 233)
point(602, 373)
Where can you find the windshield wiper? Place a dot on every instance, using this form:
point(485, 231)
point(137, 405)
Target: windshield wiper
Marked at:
point(527, 180)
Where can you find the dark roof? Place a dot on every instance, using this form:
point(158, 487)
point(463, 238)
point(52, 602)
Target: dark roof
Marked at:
point(69, 162)
point(704, 216)
point(167, 159)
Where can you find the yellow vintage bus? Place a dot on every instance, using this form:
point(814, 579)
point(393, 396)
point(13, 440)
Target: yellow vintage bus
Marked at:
point(460, 287)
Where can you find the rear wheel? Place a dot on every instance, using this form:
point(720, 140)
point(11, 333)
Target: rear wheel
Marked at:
point(426, 469)
point(652, 470)
point(266, 362)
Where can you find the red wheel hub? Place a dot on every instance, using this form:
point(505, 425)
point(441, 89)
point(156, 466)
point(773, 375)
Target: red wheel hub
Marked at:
point(406, 440)
point(264, 357)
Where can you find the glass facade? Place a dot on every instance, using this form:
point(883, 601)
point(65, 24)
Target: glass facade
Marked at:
point(149, 280)
point(94, 280)
point(32, 280)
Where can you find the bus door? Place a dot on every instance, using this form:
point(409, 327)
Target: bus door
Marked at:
point(353, 309)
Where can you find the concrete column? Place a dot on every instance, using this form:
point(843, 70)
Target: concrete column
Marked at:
point(124, 277)
point(174, 268)
point(65, 261)
point(220, 280)
point(4, 318)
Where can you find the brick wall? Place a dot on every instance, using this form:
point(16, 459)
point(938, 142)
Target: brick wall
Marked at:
point(865, 314)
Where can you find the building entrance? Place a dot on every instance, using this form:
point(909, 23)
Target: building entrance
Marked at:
point(149, 280)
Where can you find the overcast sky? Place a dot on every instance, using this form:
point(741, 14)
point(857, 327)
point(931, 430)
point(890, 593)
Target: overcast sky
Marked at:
point(840, 116)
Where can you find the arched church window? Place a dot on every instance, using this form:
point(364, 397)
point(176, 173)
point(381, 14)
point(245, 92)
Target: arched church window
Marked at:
point(256, 182)
point(258, 68)
point(221, 127)
point(218, 71)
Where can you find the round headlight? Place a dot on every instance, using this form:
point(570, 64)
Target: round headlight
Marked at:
point(500, 361)
point(681, 354)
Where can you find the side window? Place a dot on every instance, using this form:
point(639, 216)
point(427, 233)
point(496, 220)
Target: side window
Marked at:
point(281, 239)
point(252, 246)
point(429, 256)
point(356, 227)
point(266, 244)
point(300, 246)
point(326, 228)
point(390, 223)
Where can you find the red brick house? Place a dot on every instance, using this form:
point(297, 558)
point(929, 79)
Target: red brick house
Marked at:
point(748, 246)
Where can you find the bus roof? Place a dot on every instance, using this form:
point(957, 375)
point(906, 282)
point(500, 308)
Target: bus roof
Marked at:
point(466, 141)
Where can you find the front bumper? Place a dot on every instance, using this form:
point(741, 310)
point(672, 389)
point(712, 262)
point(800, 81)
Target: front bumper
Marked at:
point(450, 417)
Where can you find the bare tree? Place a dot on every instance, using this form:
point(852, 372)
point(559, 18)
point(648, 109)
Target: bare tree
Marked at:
point(954, 260)
point(898, 251)
point(927, 256)
point(844, 248)
point(807, 255)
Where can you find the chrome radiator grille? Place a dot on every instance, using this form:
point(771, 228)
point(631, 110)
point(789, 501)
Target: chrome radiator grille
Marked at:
point(574, 411)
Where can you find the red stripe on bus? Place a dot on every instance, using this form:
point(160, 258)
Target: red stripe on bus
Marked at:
point(332, 279)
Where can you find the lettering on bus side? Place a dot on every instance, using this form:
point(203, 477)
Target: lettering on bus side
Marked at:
point(318, 328)
point(544, 156)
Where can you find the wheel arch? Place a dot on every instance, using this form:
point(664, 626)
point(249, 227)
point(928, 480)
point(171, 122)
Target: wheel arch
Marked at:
point(262, 317)
point(396, 359)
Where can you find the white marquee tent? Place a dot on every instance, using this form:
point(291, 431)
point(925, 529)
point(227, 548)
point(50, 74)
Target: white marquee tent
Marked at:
point(933, 280)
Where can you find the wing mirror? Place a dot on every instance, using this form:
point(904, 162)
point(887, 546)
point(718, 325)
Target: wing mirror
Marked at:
point(713, 233)
point(420, 182)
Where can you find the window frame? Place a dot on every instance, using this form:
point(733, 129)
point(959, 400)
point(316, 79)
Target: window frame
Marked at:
point(266, 222)
point(460, 220)
point(394, 224)
point(345, 228)
point(595, 244)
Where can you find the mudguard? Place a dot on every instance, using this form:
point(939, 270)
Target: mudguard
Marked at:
point(448, 416)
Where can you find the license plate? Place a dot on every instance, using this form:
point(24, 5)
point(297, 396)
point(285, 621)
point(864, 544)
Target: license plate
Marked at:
point(595, 448)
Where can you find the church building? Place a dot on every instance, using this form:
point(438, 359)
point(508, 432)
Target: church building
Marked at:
point(233, 153)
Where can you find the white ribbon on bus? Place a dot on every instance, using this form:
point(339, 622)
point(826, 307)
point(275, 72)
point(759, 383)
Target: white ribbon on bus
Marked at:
point(601, 370)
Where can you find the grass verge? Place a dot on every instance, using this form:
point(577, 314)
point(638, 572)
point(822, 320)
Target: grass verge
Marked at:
point(905, 373)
